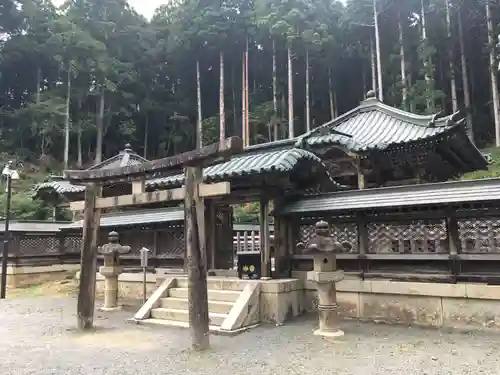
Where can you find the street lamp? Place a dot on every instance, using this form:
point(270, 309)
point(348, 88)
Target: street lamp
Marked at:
point(10, 174)
point(498, 56)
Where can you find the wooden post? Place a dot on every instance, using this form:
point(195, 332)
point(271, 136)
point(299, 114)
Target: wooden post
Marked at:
point(361, 175)
point(200, 216)
point(454, 244)
point(264, 239)
point(88, 264)
point(197, 274)
point(363, 243)
point(211, 230)
point(277, 244)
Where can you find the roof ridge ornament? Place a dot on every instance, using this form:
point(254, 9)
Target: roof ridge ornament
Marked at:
point(128, 148)
point(432, 122)
point(371, 94)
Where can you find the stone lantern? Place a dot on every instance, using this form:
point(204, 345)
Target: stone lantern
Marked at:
point(325, 274)
point(111, 270)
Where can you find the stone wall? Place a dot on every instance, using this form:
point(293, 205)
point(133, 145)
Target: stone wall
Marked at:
point(25, 276)
point(457, 306)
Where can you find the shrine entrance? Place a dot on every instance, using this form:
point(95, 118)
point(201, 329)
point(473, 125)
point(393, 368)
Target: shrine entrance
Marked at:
point(192, 193)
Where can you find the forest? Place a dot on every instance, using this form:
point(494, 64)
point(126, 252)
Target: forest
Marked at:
point(80, 81)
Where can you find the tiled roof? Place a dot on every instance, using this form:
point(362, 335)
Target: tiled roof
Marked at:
point(256, 161)
point(399, 196)
point(374, 125)
point(33, 226)
point(122, 219)
point(123, 158)
point(61, 187)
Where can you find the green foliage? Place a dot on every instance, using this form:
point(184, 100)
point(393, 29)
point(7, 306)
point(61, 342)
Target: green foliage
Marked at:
point(144, 71)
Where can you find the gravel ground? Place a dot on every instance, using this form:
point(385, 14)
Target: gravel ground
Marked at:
point(37, 336)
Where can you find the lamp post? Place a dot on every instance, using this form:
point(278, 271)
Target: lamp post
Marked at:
point(10, 174)
point(498, 56)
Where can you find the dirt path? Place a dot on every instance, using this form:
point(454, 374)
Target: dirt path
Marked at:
point(37, 337)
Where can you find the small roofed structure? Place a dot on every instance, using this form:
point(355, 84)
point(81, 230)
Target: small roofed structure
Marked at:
point(58, 191)
point(377, 145)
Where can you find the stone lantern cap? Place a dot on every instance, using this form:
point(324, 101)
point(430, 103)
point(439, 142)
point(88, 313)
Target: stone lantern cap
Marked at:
point(322, 241)
point(113, 247)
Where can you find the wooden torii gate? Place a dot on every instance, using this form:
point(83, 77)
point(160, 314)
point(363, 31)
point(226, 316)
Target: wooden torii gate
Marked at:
point(192, 193)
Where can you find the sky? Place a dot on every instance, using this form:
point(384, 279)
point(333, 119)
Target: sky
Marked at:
point(144, 7)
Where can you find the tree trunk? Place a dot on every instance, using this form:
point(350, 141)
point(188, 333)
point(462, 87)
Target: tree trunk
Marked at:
point(493, 75)
point(38, 84)
point(377, 46)
point(308, 89)
point(283, 111)
point(290, 94)
point(330, 94)
point(222, 112)
point(79, 161)
point(100, 129)
point(404, 90)
point(146, 135)
point(247, 103)
point(374, 67)
point(335, 105)
point(199, 126)
point(243, 101)
point(275, 93)
point(66, 119)
point(79, 134)
point(429, 89)
point(465, 78)
point(233, 92)
point(453, 83)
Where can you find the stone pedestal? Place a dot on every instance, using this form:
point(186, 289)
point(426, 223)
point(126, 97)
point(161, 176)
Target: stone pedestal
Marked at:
point(110, 287)
point(325, 275)
point(111, 270)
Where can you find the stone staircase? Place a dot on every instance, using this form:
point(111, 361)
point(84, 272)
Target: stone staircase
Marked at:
point(233, 304)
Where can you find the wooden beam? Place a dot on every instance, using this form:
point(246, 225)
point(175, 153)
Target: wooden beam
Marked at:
point(177, 194)
point(208, 155)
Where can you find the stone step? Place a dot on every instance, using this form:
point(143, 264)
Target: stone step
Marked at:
point(183, 316)
point(213, 295)
point(217, 283)
point(220, 307)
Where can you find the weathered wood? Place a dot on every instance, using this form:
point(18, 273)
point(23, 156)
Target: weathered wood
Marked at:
point(211, 230)
point(171, 195)
point(362, 234)
point(278, 247)
point(454, 244)
point(211, 154)
point(264, 238)
point(361, 174)
point(197, 275)
point(200, 215)
point(86, 292)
